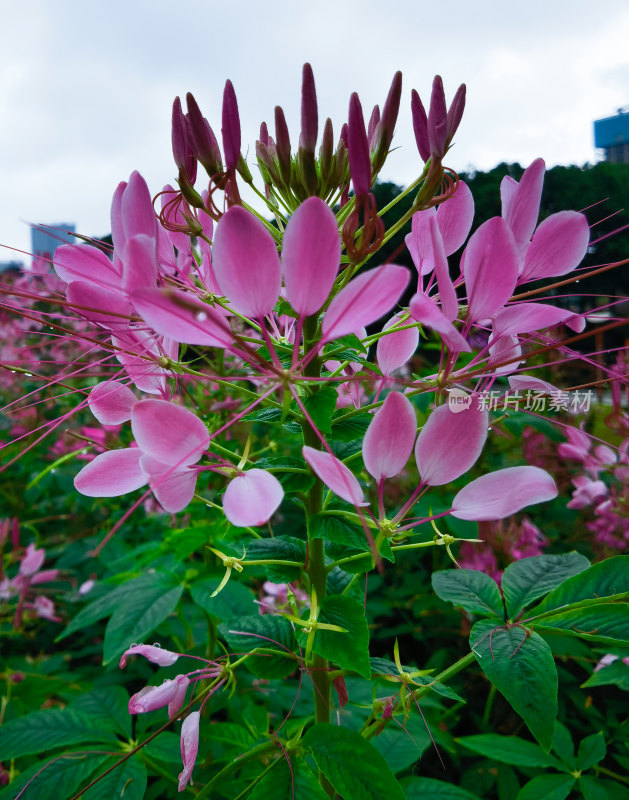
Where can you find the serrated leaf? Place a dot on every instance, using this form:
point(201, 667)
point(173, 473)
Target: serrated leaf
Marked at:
point(351, 429)
point(321, 406)
point(606, 579)
point(352, 765)
point(127, 782)
point(547, 787)
point(233, 601)
point(432, 789)
point(607, 623)
point(349, 650)
point(521, 667)
point(46, 730)
point(138, 617)
point(262, 630)
point(280, 548)
point(165, 747)
point(230, 734)
point(509, 750)
point(591, 750)
point(529, 578)
point(289, 783)
point(402, 747)
point(110, 705)
point(473, 590)
point(58, 777)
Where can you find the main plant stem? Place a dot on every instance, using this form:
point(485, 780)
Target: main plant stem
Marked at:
point(317, 574)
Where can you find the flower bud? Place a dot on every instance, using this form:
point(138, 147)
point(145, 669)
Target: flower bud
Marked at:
point(326, 151)
point(358, 147)
point(283, 145)
point(205, 143)
point(437, 119)
point(386, 127)
point(420, 126)
point(309, 111)
point(230, 128)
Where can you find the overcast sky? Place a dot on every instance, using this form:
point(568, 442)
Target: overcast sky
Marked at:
point(86, 88)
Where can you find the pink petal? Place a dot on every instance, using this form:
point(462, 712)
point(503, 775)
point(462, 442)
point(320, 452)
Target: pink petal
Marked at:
point(336, 476)
point(152, 697)
point(529, 317)
point(189, 747)
point(450, 442)
point(173, 487)
point(530, 383)
point(111, 474)
point(182, 317)
point(502, 493)
point(558, 246)
point(99, 305)
point(424, 310)
point(447, 292)
point(246, 263)
point(182, 681)
point(390, 437)
point(139, 263)
point(252, 498)
point(168, 432)
point(455, 217)
point(138, 351)
point(508, 188)
point(117, 231)
point(32, 560)
point(395, 349)
point(311, 256)
point(419, 241)
point(73, 262)
point(136, 209)
point(491, 268)
point(506, 351)
point(523, 204)
point(364, 300)
point(157, 655)
point(111, 402)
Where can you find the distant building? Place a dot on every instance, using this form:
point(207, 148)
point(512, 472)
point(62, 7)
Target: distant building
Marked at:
point(45, 239)
point(11, 266)
point(612, 135)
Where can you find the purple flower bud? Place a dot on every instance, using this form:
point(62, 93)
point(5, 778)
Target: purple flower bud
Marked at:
point(358, 148)
point(386, 127)
point(283, 144)
point(153, 697)
point(189, 747)
point(179, 136)
point(309, 111)
point(420, 126)
point(205, 143)
point(264, 133)
point(455, 112)
point(182, 681)
point(32, 560)
point(374, 120)
point(326, 151)
point(437, 119)
point(230, 128)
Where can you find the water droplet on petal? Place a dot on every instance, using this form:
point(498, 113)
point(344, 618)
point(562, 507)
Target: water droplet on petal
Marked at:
point(201, 316)
point(156, 644)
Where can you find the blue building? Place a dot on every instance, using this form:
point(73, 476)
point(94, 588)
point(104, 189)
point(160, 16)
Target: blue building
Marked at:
point(46, 239)
point(612, 135)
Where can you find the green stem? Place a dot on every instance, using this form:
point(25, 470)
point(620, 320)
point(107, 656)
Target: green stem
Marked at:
point(611, 774)
point(489, 704)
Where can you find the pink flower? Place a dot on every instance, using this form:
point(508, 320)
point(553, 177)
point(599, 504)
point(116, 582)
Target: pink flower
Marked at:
point(189, 747)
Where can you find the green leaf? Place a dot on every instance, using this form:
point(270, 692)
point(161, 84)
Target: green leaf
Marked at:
point(607, 623)
point(609, 578)
point(403, 747)
point(136, 618)
point(110, 705)
point(230, 734)
point(165, 747)
point(290, 472)
point(289, 783)
point(60, 778)
point(352, 765)
point(432, 789)
point(281, 548)
point(473, 590)
point(321, 406)
point(591, 750)
point(616, 674)
point(563, 746)
point(530, 578)
point(349, 650)
point(104, 606)
point(338, 529)
point(233, 601)
point(591, 789)
point(509, 750)
point(348, 430)
point(615, 791)
point(46, 730)
point(351, 341)
point(262, 630)
point(547, 787)
point(128, 782)
point(521, 667)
